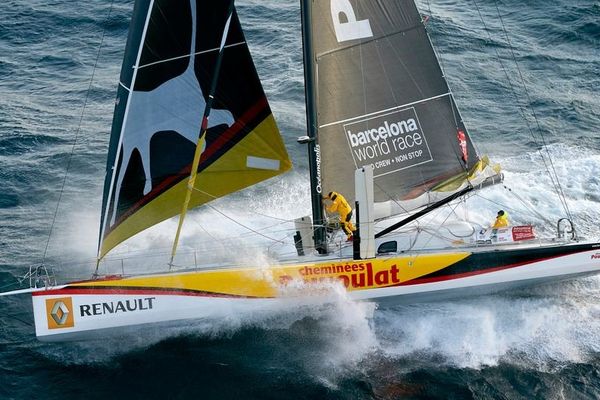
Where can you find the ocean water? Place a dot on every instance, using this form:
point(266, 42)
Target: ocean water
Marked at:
point(539, 343)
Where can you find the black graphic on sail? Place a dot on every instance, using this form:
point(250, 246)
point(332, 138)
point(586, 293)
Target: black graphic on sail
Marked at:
point(382, 99)
point(169, 61)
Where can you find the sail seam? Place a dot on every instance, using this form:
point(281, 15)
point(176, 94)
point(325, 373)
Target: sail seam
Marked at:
point(363, 42)
point(188, 55)
point(386, 110)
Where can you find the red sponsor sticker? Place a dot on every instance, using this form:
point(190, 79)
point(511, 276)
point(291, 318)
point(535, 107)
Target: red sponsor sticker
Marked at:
point(524, 232)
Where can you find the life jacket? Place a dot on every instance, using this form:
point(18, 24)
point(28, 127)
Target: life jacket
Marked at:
point(501, 221)
point(339, 205)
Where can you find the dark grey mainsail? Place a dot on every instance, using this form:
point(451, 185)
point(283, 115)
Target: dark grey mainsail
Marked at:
point(382, 99)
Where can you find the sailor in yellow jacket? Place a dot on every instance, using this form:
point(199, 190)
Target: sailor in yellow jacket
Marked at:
point(341, 206)
point(501, 220)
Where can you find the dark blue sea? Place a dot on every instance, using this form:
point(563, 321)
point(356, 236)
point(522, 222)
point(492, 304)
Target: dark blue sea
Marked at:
point(59, 68)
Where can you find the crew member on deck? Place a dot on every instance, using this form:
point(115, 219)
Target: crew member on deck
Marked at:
point(341, 206)
point(501, 220)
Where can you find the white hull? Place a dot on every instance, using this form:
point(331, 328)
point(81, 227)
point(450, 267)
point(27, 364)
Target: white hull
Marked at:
point(77, 311)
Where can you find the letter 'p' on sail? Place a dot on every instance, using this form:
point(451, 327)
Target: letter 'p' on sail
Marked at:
point(169, 61)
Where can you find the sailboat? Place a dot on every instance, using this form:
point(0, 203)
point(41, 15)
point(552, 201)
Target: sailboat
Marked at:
point(192, 124)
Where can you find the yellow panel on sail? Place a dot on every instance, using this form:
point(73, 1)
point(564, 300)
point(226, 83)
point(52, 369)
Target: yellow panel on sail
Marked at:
point(260, 155)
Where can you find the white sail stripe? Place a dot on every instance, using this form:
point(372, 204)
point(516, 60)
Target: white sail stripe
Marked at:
point(188, 55)
point(124, 123)
point(124, 87)
point(262, 163)
point(386, 110)
point(225, 31)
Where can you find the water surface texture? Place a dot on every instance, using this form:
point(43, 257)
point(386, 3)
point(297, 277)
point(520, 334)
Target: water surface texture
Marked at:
point(540, 343)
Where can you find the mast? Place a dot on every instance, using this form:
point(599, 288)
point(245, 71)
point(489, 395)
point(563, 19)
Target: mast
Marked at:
point(314, 151)
point(202, 139)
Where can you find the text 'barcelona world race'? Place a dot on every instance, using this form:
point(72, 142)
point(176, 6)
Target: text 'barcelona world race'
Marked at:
point(389, 142)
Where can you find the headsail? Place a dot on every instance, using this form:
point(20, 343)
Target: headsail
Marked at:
point(382, 100)
point(169, 59)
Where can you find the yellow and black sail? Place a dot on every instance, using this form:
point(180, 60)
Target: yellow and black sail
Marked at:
point(167, 71)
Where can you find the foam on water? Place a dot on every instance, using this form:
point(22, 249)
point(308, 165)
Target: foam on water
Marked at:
point(49, 52)
point(532, 194)
point(542, 328)
point(329, 339)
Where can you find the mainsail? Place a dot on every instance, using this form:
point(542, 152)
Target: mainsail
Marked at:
point(382, 99)
point(167, 69)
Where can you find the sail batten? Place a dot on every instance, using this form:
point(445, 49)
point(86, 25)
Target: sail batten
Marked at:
point(216, 49)
point(151, 161)
point(386, 110)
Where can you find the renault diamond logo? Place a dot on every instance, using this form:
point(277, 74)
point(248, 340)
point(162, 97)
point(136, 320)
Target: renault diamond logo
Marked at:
point(59, 313)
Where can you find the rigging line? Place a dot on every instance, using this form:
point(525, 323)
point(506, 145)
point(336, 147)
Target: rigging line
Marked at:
point(560, 191)
point(390, 197)
point(431, 207)
point(431, 232)
point(521, 108)
point(9, 285)
point(207, 232)
point(533, 210)
point(437, 231)
point(456, 116)
point(504, 206)
point(251, 211)
point(440, 60)
point(268, 228)
point(513, 91)
point(244, 226)
point(77, 132)
point(189, 55)
point(507, 75)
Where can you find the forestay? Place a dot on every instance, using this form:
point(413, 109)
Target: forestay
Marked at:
point(166, 74)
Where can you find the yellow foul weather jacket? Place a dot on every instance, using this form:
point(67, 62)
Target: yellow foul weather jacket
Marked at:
point(501, 221)
point(339, 205)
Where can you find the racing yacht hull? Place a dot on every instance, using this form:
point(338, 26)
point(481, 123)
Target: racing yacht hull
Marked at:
point(87, 309)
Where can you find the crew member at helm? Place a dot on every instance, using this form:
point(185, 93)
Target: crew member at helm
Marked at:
point(501, 220)
point(341, 206)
